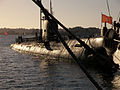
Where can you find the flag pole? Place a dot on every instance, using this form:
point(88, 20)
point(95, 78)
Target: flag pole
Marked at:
point(101, 20)
point(101, 25)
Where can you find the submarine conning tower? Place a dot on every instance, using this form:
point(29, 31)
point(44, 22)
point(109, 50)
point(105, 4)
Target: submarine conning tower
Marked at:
point(111, 37)
point(48, 31)
point(112, 33)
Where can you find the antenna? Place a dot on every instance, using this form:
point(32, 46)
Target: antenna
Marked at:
point(118, 18)
point(51, 12)
point(108, 7)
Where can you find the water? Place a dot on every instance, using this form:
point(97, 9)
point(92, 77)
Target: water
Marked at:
point(31, 72)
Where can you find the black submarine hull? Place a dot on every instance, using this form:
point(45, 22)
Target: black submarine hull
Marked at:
point(103, 58)
point(57, 49)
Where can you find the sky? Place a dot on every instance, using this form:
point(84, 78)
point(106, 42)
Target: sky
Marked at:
point(72, 13)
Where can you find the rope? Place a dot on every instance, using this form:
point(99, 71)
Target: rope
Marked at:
point(48, 15)
point(117, 58)
point(91, 44)
point(83, 49)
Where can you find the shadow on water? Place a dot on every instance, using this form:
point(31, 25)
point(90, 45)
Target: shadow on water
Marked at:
point(63, 75)
point(111, 81)
point(58, 72)
point(108, 81)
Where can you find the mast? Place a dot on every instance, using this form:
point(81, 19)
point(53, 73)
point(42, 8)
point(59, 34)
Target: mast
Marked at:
point(40, 30)
point(40, 19)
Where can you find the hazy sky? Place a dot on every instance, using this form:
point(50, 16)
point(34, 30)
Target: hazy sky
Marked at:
point(85, 13)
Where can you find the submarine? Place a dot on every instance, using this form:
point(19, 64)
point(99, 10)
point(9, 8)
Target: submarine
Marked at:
point(97, 51)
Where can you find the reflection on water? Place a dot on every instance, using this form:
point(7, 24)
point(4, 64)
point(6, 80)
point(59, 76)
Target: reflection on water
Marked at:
point(26, 72)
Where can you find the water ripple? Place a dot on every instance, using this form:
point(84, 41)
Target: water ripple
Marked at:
point(25, 72)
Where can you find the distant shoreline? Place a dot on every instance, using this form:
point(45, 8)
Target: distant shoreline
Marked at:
point(79, 31)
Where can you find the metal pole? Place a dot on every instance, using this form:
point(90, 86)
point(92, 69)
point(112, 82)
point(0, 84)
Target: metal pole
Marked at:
point(101, 19)
point(40, 18)
point(108, 7)
point(40, 31)
point(51, 12)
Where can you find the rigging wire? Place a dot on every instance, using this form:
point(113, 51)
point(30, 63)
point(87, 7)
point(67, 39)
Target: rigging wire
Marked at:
point(117, 58)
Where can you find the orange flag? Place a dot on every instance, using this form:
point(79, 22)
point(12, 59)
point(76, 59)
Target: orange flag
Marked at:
point(107, 19)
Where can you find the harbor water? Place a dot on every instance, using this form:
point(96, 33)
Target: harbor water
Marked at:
point(20, 71)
